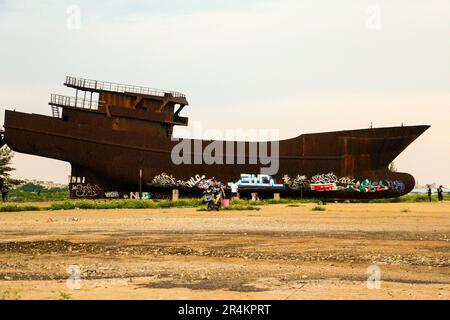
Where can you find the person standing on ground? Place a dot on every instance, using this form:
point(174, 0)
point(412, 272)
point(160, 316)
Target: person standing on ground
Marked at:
point(429, 193)
point(5, 192)
point(234, 191)
point(440, 194)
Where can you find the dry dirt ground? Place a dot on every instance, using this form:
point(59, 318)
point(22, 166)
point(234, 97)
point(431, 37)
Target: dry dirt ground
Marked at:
point(279, 252)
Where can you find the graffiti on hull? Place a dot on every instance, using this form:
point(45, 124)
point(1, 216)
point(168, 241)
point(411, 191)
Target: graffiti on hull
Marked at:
point(330, 182)
point(81, 190)
point(367, 186)
point(320, 183)
point(328, 178)
point(396, 186)
point(169, 181)
point(323, 182)
point(112, 194)
point(324, 187)
point(258, 181)
point(298, 183)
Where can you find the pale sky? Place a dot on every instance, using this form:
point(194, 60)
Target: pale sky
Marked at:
point(297, 66)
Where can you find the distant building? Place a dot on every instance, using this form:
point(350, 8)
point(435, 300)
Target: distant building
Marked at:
point(44, 184)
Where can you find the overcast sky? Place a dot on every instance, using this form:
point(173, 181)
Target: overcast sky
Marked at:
point(299, 66)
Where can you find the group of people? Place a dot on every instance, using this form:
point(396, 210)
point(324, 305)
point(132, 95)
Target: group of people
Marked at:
point(440, 192)
point(218, 190)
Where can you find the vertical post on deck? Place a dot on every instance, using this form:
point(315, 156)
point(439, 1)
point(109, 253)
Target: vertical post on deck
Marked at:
point(140, 183)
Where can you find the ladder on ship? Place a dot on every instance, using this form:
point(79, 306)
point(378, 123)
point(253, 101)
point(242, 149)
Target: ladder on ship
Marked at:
point(55, 111)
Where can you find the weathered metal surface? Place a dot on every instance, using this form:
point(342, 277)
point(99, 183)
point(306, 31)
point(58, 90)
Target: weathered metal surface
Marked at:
point(2, 138)
point(108, 146)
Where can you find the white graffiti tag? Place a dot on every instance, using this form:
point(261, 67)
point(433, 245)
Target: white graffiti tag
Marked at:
point(164, 180)
point(88, 190)
point(167, 181)
point(300, 182)
point(325, 178)
point(346, 180)
point(192, 182)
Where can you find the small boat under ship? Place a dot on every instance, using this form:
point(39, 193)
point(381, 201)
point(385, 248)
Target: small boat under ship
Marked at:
point(118, 140)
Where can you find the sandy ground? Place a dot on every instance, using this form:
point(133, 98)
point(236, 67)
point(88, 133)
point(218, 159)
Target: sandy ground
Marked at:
point(279, 252)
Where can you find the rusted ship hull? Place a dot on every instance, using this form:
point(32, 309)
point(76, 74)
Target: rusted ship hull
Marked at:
point(108, 163)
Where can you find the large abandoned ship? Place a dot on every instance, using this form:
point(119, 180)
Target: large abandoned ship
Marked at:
point(118, 140)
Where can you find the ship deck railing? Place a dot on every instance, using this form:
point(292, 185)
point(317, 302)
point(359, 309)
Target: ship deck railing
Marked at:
point(96, 85)
point(74, 102)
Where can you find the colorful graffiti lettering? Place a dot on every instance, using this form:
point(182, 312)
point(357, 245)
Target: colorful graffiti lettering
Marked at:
point(135, 195)
point(166, 181)
point(367, 186)
point(396, 186)
point(324, 182)
point(323, 187)
point(203, 184)
point(319, 183)
point(330, 182)
point(257, 181)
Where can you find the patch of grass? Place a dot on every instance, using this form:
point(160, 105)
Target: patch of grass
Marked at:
point(235, 204)
point(405, 210)
point(142, 204)
point(409, 198)
point(277, 201)
point(417, 198)
point(16, 208)
point(125, 204)
point(64, 296)
point(287, 201)
point(100, 204)
point(241, 202)
point(319, 208)
point(293, 205)
point(10, 295)
point(188, 203)
point(19, 195)
point(265, 202)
